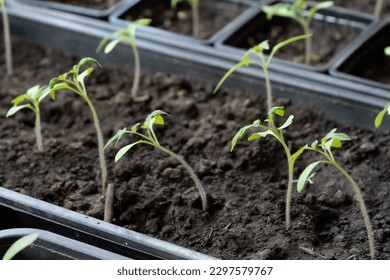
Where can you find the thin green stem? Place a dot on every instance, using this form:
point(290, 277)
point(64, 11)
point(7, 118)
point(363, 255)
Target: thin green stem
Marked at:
point(378, 8)
point(100, 144)
point(308, 44)
point(38, 133)
point(268, 89)
point(137, 74)
point(195, 20)
point(7, 39)
point(289, 184)
point(362, 207)
point(192, 173)
point(109, 203)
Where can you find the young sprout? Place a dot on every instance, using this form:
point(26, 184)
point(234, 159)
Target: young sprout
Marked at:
point(74, 82)
point(277, 132)
point(324, 148)
point(195, 14)
point(264, 63)
point(7, 38)
point(149, 138)
point(297, 11)
point(386, 109)
point(19, 245)
point(378, 8)
point(127, 35)
point(33, 96)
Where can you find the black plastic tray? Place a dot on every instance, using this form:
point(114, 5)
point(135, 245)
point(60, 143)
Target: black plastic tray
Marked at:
point(341, 99)
point(20, 211)
point(116, 18)
point(90, 12)
point(51, 246)
point(345, 20)
point(368, 52)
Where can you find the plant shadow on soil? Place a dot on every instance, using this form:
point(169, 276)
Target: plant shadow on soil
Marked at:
point(154, 194)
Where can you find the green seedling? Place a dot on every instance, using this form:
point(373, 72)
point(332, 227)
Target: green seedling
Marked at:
point(332, 140)
point(194, 4)
point(275, 131)
point(149, 138)
point(19, 245)
point(386, 109)
point(7, 38)
point(127, 35)
point(74, 82)
point(264, 63)
point(33, 96)
point(378, 8)
point(298, 11)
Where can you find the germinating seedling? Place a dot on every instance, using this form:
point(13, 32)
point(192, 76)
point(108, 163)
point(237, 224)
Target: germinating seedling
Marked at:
point(194, 4)
point(33, 96)
point(149, 138)
point(74, 82)
point(19, 245)
point(269, 128)
point(386, 109)
point(7, 38)
point(324, 148)
point(264, 63)
point(127, 35)
point(298, 11)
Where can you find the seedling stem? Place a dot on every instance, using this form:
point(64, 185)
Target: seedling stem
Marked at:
point(7, 38)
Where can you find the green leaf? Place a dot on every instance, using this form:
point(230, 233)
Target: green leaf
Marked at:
point(279, 9)
point(15, 109)
point(18, 99)
point(45, 91)
point(125, 149)
point(322, 5)
point(61, 86)
point(286, 42)
point(287, 123)
point(143, 21)
point(295, 156)
point(381, 114)
point(278, 110)
point(81, 77)
point(231, 71)
point(338, 136)
point(19, 245)
point(135, 127)
point(33, 92)
point(240, 134)
point(306, 175)
point(154, 118)
point(261, 47)
point(88, 60)
point(110, 46)
point(116, 137)
point(257, 135)
point(387, 51)
point(314, 144)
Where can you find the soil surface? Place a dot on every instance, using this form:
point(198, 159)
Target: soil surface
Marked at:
point(154, 194)
point(93, 4)
point(327, 41)
point(213, 15)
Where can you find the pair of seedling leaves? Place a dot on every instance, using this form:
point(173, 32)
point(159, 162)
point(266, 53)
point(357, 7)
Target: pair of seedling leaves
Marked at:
point(332, 140)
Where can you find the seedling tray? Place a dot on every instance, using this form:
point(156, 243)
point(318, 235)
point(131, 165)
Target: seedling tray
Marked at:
point(75, 9)
point(211, 9)
point(365, 61)
point(345, 25)
point(51, 246)
point(20, 211)
point(340, 98)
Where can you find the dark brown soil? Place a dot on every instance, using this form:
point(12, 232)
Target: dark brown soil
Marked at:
point(367, 6)
point(93, 4)
point(327, 41)
point(213, 15)
point(154, 195)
